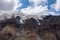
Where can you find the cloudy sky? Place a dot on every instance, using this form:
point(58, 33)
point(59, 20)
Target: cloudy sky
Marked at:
point(31, 7)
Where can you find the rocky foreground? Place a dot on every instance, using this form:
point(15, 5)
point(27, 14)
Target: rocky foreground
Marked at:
point(30, 29)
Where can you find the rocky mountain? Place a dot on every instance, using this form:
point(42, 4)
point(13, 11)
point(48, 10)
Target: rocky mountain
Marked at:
point(30, 29)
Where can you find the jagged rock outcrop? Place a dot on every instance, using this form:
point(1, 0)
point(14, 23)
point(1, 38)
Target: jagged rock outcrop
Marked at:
point(51, 24)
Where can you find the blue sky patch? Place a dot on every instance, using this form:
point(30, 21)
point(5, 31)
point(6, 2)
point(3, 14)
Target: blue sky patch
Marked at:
point(50, 2)
point(25, 4)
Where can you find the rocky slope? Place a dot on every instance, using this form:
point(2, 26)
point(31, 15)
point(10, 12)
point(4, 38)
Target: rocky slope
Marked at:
point(30, 29)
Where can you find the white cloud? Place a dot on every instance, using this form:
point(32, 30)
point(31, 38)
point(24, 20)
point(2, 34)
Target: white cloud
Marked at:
point(37, 2)
point(57, 5)
point(8, 5)
point(40, 10)
point(34, 10)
